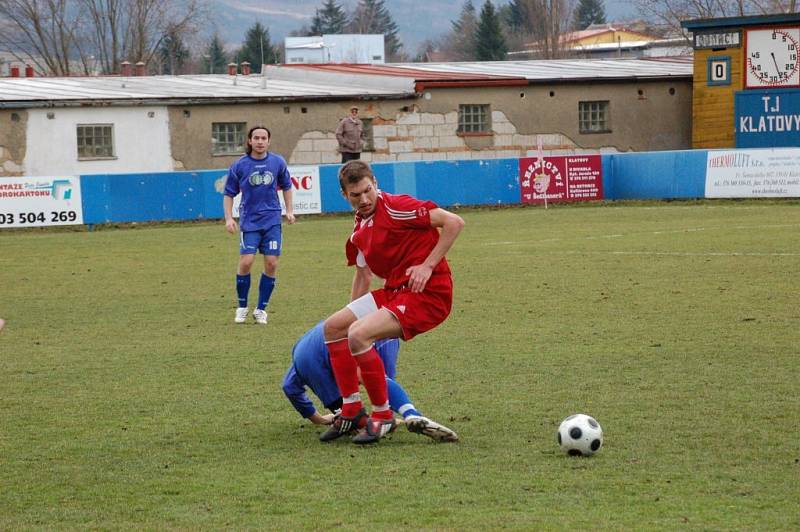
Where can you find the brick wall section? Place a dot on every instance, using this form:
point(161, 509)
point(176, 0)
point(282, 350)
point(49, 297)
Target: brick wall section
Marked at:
point(8, 166)
point(418, 136)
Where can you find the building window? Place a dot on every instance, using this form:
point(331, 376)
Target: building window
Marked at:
point(95, 141)
point(593, 117)
point(369, 141)
point(227, 138)
point(473, 119)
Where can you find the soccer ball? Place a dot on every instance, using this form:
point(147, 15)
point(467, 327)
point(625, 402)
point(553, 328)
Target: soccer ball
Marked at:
point(580, 435)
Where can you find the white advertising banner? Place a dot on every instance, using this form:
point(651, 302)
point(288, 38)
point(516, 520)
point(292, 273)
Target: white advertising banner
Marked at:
point(765, 173)
point(40, 201)
point(305, 188)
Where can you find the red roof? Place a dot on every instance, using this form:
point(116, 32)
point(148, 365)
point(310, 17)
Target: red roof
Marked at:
point(423, 78)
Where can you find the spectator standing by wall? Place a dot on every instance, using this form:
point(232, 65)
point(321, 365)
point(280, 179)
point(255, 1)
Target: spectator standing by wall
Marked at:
point(350, 133)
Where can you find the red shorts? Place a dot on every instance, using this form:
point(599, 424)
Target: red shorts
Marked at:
point(418, 312)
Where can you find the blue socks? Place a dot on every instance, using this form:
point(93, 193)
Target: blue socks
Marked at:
point(242, 288)
point(399, 400)
point(265, 287)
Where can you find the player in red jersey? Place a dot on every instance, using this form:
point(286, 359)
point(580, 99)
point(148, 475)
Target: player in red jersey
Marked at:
point(402, 240)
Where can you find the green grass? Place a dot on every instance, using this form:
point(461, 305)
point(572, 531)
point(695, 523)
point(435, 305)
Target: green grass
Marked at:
point(129, 399)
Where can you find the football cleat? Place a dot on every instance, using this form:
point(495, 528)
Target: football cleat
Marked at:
point(260, 316)
point(344, 425)
point(241, 315)
point(430, 428)
point(374, 430)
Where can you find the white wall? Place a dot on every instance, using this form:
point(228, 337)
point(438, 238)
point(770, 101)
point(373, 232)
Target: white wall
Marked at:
point(348, 48)
point(141, 141)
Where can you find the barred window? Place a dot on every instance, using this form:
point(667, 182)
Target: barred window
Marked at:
point(95, 141)
point(593, 117)
point(227, 138)
point(473, 118)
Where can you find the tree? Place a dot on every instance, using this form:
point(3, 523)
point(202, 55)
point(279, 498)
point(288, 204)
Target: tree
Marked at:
point(517, 17)
point(43, 33)
point(331, 19)
point(587, 13)
point(173, 53)
point(538, 23)
point(425, 51)
point(490, 45)
point(372, 17)
point(61, 37)
point(668, 14)
point(133, 30)
point(215, 60)
point(256, 48)
point(460, 42)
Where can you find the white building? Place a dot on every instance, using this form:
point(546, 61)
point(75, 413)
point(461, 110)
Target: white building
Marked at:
point(355, 49)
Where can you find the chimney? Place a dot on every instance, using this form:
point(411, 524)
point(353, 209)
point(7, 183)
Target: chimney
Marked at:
point(140, 68)
point(14, 71)
point(125, 69)
point(245, 68)
point(231, 69)
point(29, 71)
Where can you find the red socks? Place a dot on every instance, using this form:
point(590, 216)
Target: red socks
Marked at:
point(373, 375)
point(345, 371)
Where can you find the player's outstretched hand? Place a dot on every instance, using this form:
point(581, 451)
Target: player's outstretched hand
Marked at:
point(230, 225)
point(418, 277)
point(321, 419)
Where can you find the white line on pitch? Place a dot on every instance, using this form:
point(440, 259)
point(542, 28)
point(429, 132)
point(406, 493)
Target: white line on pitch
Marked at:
point(620, 235)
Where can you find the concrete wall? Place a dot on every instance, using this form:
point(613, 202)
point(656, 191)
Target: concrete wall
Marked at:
point(298, 129)
point(644, 116)
point(141, 140)
point(656, 119)
point(13, 124)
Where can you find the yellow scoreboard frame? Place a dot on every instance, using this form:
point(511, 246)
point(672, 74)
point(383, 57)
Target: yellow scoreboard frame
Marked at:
point(733, 55)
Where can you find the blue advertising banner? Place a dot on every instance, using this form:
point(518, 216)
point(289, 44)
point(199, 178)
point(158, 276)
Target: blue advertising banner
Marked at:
point(767, 118)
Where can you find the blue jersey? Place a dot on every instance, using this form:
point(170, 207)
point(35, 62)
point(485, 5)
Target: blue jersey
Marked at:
point(258, 180)
point(311, 367)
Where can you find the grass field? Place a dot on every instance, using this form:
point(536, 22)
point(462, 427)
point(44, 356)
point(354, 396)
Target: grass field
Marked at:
point(129, 399)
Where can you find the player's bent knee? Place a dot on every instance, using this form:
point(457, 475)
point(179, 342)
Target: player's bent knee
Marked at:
point(337, 325)
point(360, 336)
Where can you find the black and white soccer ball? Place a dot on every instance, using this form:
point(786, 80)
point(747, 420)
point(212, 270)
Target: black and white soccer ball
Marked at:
point(580, 435)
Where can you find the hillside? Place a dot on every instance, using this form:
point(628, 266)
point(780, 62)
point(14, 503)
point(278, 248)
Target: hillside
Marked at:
point(233, 17)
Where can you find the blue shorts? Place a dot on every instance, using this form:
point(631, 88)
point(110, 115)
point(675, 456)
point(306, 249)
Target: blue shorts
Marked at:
point(267, 241)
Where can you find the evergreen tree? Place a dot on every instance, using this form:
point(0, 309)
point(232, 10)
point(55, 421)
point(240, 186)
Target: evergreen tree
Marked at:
point(215, 60)
point(256, 45)
point(516, 15)
point(372, 17)
point(331, 19)
point(461, 39)
point(589, 12)
point(172, 52)
point(490, 45)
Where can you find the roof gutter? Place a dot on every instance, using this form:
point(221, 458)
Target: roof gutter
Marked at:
point(485, 83)
point(149, 102)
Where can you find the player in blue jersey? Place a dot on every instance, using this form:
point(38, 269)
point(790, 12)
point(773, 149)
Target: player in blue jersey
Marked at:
point(311, 368)
point(258, 175)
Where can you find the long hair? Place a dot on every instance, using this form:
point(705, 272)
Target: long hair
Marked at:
point(249, 148)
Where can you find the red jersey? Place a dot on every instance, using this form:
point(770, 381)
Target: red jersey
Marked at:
point(396, 236)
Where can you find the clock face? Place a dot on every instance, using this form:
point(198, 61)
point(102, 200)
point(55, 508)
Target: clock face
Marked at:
point(772, 58)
